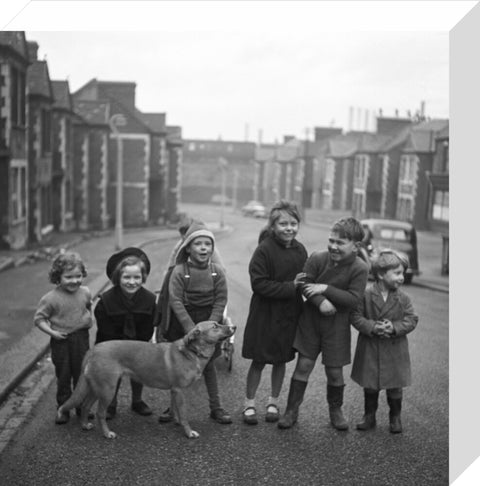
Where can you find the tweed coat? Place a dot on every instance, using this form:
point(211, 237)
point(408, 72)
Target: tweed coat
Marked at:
point(382, 363)
point(276, 303)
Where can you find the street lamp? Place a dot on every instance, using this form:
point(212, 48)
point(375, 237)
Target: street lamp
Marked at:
point(118, 120)
point(222, 163)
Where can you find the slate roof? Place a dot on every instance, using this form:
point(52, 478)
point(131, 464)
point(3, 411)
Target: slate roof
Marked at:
point(155, 121)
point(38, 79)
point(93, 112)
point(61, 94)
point(14, 40)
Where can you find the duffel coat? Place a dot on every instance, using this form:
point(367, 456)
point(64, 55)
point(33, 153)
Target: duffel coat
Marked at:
point(382, 363)
point(276, 303)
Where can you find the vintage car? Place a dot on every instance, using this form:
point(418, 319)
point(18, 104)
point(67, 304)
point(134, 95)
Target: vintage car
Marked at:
point(255, 209)
point(395, 235)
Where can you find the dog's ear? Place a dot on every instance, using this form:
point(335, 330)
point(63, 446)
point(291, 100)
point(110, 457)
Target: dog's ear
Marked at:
point(191, 336)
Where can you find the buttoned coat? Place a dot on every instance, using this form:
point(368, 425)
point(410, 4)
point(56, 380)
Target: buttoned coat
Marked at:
point(382, 363)
point(276, 303)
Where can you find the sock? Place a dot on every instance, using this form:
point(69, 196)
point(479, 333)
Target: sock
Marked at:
point(249, 402)
point(272, 401)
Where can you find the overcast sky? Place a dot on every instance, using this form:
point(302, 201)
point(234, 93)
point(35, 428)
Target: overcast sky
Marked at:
point(279, 70)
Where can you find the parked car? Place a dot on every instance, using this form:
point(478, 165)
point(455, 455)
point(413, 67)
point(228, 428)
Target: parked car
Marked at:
point(218, 198)
point(255, 209)
point(395, 235)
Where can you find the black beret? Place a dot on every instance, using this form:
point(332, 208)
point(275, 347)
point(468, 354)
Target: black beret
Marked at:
point(116, 258)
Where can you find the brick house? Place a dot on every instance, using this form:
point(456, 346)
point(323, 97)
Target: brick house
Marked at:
point(90, 156)
point(39, 146)
point(201, 177)
point(140, 139)
point(62, 169)
point(13, 140)
point(438, 214)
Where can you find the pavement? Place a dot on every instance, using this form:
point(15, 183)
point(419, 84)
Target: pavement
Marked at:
point(21, 273)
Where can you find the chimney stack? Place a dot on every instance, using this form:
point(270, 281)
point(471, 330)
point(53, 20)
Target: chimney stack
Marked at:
point(32, 50)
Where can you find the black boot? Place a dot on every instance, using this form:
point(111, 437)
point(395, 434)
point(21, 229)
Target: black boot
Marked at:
point(371, 405)
point(335, 402)
point(295, 398)
point(395, 405)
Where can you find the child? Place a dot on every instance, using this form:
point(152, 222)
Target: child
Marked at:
point(383, 320)
point(335, 284)
point(275, 276)
point(126, 311)
point(198, 292)
point(65, 313)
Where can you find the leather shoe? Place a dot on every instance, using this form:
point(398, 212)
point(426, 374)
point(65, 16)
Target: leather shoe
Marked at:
point(221, 416)
point(251, 418)
point(166, 416)
point(141, 408)
point(63, 418)
point(272, 413)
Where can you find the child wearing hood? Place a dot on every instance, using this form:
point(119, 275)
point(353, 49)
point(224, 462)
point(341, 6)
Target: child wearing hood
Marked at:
point(198, 292)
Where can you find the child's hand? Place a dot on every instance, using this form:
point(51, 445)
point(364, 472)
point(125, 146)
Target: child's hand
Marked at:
point(327, 308)
point(388, 327)
point(309, 290)
point(59, 335)
point(299, 278)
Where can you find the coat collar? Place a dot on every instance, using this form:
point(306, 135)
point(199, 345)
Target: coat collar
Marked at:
point(383, 307)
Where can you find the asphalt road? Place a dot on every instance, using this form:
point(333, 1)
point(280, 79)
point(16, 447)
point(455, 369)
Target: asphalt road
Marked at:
point(312, 453)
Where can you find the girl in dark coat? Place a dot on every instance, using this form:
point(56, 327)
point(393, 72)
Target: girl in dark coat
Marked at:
point(275, 276)
point(126, 311)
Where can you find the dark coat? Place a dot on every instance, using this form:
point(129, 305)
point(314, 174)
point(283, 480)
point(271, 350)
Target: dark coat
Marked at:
point(275, 304)
point(382, 363)
point(113, 317)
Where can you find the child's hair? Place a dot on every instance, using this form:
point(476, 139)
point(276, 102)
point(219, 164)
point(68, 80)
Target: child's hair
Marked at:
point(387, 260)
point(126, 262)
point(63, 263)
point(286, 206)
point(349, 228)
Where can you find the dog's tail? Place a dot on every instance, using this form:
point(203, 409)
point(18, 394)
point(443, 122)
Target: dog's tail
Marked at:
point(81, 391)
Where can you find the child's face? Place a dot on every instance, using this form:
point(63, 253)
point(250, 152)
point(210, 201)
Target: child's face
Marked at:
point(200, 250)
point(131, 279)
point(71, 279)
point(392, 279)
point(285, 227)
point(340, 248)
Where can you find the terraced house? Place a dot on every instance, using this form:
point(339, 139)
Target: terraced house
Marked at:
point(13, 140)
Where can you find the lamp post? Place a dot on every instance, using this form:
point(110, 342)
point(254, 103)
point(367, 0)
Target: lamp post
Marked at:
point(118, 120)
point(222, 163)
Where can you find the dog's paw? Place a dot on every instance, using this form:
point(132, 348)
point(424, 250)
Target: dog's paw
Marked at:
point(87, 426)
point(110, 435)
point(193, 435)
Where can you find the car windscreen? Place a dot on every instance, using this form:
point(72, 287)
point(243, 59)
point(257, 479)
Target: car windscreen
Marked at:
point(397, 234)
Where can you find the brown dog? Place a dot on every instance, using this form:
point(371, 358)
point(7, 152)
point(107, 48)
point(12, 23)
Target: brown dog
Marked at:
point(168, 366)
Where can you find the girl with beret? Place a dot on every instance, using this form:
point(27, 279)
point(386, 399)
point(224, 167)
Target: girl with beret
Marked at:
point(126, 311)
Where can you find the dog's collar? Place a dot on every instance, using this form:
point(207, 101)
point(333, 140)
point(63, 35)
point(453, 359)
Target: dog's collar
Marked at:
point(195, 351)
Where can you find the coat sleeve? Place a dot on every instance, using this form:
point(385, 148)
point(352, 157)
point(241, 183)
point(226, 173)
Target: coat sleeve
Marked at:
point(352, 296)
point(221, 296)
point(313, 267)
point(409, 321)
point(105, 325)
point(176, 288)
point(261, 281)
point(360, 321)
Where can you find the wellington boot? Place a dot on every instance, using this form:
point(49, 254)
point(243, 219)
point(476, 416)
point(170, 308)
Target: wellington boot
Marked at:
point(371, 404)
point(368, 422)
point(335, 402)
point(295, 398)
point(337, 419)
point(395, 405)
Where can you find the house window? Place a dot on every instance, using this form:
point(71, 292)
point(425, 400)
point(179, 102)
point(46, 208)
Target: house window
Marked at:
point(191, 146)
point(18, 97)
point(445, 158)
point(405, 209)
point(19, 181)
point(440, 206)
point(360, 170)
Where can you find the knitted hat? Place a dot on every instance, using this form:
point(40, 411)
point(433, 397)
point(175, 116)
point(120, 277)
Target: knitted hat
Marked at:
point(196, 229)
point(116, 258)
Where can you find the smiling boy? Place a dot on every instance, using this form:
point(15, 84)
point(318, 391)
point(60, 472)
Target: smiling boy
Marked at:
point(334, 285)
